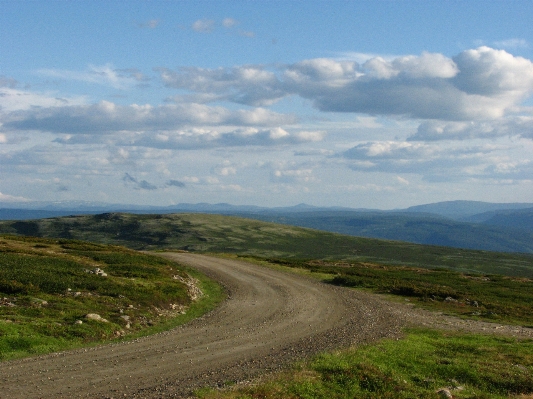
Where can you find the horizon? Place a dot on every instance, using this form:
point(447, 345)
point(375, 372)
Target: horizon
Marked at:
point(369, 105)
point(73, 205)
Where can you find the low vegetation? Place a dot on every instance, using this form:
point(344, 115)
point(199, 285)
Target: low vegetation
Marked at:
point(47, 287)
point(58, 294)
point(494, 298)
point(232, 235)
point(418, 366)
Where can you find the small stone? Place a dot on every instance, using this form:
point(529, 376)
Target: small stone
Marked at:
point(445, 393)
point(78, 322)
point(95, 317)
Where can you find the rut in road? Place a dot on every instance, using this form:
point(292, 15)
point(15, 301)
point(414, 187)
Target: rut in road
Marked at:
point(269, 319)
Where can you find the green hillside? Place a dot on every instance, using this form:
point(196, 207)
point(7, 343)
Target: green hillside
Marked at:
point(58, 294)
point(223, 234)
point(418, 228)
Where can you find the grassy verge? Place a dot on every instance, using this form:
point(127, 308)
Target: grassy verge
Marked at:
point(493, 298)
point(425, 361)
point(48, 289)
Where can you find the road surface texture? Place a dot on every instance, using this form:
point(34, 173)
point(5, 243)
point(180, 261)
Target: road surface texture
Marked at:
point(270, 319)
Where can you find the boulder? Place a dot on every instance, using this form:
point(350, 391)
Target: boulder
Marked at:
point(95, 317)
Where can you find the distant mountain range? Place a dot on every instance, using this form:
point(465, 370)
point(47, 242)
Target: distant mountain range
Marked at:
point(504, 227)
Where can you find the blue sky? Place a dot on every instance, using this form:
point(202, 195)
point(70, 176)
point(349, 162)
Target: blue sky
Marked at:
point(376, 104)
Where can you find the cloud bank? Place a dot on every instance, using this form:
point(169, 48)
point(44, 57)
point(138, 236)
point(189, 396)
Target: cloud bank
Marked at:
point(482, 84)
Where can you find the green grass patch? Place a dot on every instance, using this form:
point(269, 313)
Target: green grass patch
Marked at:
point(469, 366)
point(48, 287)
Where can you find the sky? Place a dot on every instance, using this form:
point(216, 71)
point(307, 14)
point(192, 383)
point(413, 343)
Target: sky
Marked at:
point(362, 104)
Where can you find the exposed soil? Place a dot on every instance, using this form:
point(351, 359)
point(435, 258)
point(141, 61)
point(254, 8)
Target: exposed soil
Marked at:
point(270, 319)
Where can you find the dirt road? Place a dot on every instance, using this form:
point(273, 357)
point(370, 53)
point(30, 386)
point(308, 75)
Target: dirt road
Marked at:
point(270, 319)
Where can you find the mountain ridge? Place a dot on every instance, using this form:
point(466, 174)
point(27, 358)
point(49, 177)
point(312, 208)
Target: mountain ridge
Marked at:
point(503, 227)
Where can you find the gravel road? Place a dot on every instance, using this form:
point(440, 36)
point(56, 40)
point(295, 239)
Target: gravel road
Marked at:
point(270, 319)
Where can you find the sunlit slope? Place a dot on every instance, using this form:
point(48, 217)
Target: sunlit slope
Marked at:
point(216, 233)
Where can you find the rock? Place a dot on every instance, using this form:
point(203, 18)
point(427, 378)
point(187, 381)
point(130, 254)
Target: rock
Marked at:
point(97, 271)
point(39, 302)
point(78, 322)
point(450, 299)
point(445, 393)
point(192, 286)
point(96, 317)
point(7, 302)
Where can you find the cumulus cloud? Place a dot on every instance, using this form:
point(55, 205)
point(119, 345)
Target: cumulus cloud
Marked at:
point(209, 138)
point(434, 161)
point(478, 84)
point(250, 85)
point(518, 126)
point(106, 117)
point(293, 175)
point(225, 169)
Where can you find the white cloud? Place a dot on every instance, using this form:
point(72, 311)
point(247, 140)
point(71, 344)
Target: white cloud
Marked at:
point(229, 22)
point(518, 126)
point(512, 43)
point(250, 85)
point(105, 117)
point(435, 162)
point(488, 72)
point(402, 180)
point(225, 169)
point(105, 75)
point(210, 138)
point(478, 84)
point(12, 198)
point(12, 99)
point(298, 175)
point(203, 26)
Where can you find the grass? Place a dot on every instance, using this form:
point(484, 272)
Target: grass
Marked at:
point(232, 235)
point(47, 287)
point(469, 366)
point(493, 298)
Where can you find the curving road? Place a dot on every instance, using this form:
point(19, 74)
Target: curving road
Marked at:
point(269, 319)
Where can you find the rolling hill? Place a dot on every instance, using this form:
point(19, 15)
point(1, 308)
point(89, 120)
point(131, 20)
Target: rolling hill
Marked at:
point(223, 234)
point(504, 227)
